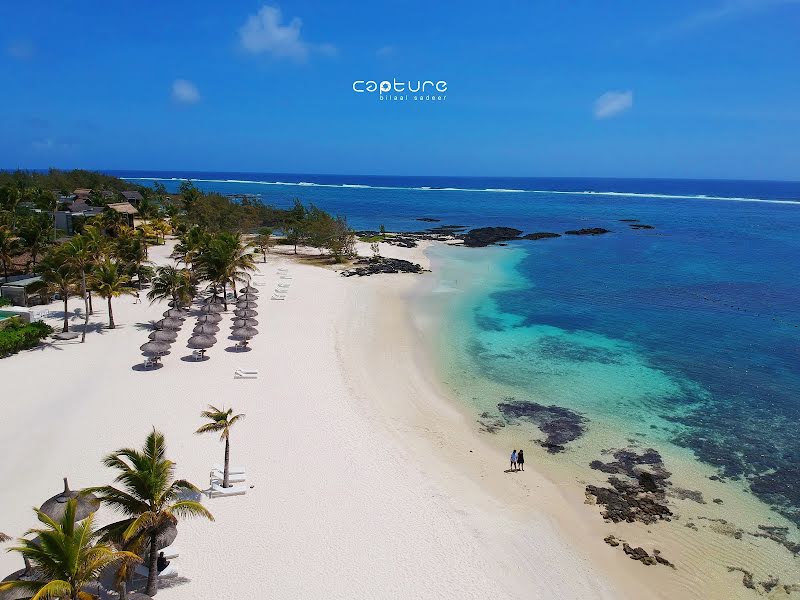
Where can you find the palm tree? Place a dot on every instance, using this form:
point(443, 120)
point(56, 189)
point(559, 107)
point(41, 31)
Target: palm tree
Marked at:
point(191, 246)
point(58, 277)
point(263, 241)
point(98, 246)
point(221, 421)
point(10, 247)
point(226, 261)
point(65, 557)
point(11, 195)
point(79, 256)
point(109, 281)
point(132, 250)
point(162, 227)
point(150, 497)
point(35, 234)
point(175, 284)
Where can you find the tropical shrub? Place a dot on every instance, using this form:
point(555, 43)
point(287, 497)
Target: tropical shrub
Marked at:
point(18, 336)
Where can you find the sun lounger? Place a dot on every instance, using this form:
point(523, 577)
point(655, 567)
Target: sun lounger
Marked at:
point(286, 277)
point(217, 491)
point(170, 552)
point(170, 571)
point(231, 470)
point(219, 477)
point(197, 355)
point(242, 374)
point(279, 297)
point(219, 474)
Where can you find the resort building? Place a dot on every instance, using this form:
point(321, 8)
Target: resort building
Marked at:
point(124, 208)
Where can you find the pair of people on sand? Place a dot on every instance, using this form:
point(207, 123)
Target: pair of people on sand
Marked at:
point(517, 460)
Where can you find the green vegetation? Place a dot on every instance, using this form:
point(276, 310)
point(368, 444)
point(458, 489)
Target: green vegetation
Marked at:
point(65, 182)
point(66, 556)
point(150, 498)
point(16, 335)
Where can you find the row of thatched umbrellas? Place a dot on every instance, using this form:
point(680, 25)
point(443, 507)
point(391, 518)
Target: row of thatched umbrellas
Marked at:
point(203, 335)
point(244, 326)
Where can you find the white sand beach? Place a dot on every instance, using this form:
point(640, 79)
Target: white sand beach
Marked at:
point(366, 482)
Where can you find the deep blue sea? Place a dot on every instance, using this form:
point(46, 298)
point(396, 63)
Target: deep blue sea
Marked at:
point(691, 328)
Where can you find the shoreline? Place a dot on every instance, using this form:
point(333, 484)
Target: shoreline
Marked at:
point(710, 563)
point(370, 475)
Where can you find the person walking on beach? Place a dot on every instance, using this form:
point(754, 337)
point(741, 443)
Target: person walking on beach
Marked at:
point(138, 299)
point(513, 460)
point(521, 460)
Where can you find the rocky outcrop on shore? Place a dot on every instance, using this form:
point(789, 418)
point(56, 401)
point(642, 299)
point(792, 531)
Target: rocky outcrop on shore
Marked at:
point(638, 553)
point(379, 264)
point(588, 231)
point(486, 236)
point(640, 494)
point(540, 235)
point(559, 424)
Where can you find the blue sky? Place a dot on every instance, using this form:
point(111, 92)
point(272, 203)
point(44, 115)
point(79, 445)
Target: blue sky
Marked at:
point(546, 88)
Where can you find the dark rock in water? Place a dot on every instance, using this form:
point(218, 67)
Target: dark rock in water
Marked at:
point(684, 494)
point(428, 219)
point(540, 235)
point(778, 535)
point(379, 264)
point(588, 231)
point(490, 423)
point(611, 540)
point(769, 584)
point(560, 424)
point(629, 220)
point(747, 577)
point(641, 496)
point(486, 236)
point(639, 554)
point(717, 500)
point(640, 226)
point(661, 560)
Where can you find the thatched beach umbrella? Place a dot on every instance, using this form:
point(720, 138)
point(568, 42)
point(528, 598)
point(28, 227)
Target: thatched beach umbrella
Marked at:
point(56, 506)
point(246, 304)
point(212, 308)
point(248, 290)
point(165, 537)
point(164, 335)
point(244, 323)
point(245, 313)
point(206, 328)
point(209, 318)
point(155, 348)
point(4, 538)
point(244, 333)
point(201, 341)
point(169, 323)
point(175, 313)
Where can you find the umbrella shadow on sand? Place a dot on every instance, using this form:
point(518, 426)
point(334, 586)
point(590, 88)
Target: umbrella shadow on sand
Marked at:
point(238, 349)
point(191, 359)
point(141, 367)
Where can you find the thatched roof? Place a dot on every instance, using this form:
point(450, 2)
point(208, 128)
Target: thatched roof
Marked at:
point(123, 207)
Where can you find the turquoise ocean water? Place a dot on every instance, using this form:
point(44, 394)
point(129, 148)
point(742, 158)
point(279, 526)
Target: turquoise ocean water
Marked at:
point(687, 334)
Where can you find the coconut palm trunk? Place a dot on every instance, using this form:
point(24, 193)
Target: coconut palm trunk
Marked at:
point(66, 319)
point(110, 315)
point(152, 575)
point(225, 475)
point(84, 291)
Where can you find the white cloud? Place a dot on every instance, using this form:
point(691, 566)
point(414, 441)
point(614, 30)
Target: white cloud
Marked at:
point(385, 51)
point(263, 33)
point(185, 92)
point(612, 103)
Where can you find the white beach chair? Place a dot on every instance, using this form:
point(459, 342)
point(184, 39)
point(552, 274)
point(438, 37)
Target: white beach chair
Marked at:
point(231, 470)
point(197, 355)
point(244, 374)
point(279, 297)
point(286, 277)
point(170, 552)
point(218, 477)
point(217, 491)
